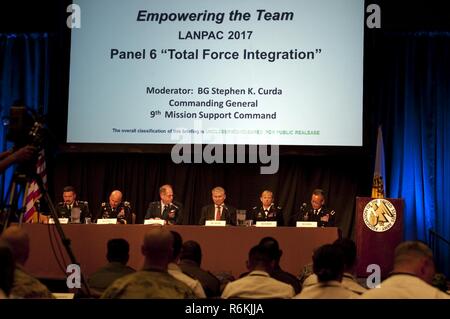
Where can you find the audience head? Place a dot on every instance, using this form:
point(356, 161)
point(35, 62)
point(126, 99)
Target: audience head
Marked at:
point(218, 195)
point(177, 243)
point(6, 267)
point(118, 250)
point(317, 198)
point(266, 198)
point(191, 250)
point(69, 195)
point(259, 259)
point(271, 244)
point(157, 247)
point(19, 241)
point(416, 258)
point(115, 198)
point(166, 194)
point(328, 263)
point(348, 247)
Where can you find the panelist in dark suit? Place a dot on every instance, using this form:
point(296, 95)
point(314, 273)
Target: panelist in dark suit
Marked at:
point(267, 211)
point(64, 209)
point(317, 211)
point(115, 208)
point(166, 208)
point(219, 210)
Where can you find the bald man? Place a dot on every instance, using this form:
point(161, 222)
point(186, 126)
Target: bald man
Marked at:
point(411, 277)
point(24, 285)
point(115, 208)
point(153, 281)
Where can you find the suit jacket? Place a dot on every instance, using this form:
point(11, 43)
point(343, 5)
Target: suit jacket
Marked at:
point(209, 213)
point(175, 209)
point(275, 214)
point(108, 212)
point(309, 215)
point(64, 211)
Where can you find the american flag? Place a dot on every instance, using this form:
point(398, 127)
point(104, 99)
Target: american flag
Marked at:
point(32, 192)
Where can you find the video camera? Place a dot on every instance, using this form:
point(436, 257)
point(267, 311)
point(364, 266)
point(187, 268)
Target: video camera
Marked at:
point(26, 127)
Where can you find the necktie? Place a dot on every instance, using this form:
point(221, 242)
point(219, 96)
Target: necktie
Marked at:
point(266, 212)
point(218, 215)
point(316, 211)
point(164, 213)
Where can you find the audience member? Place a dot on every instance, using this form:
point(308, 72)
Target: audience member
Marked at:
point(275, 253)
point(348, 280)
point(24, 285)
point(6, 269)
point(267, 211)
point(258, 284)
point(190, 262)
point(166, 208)
point(328, 265)
point(117, 255)
point(411, 277)
point(218, 210)
point(64, 208)
point(153, 281)
point(177, 273)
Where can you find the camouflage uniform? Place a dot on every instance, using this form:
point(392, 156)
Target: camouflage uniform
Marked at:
point(148, 284)
point(105, 276)
point(26, 286)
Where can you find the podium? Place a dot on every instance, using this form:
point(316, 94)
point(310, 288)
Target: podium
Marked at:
point(379, 229)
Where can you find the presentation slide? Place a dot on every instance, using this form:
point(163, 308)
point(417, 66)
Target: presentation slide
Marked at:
point(281, 72)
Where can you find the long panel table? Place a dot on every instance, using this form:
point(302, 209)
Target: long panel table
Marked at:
point(225, 249)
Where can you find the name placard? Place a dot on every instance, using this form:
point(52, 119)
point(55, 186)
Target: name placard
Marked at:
point(306, 224)
point(106, 221)
point(266, 224)
point(153, 221)
point(61, 220)
point(215, 223)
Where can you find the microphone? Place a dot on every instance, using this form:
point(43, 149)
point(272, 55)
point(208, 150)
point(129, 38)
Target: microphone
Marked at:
point(303, 209)
point(172, 204)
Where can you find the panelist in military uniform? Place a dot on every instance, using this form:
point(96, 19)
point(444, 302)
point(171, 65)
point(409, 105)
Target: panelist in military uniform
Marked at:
point(317, 211)
point(267, 211)
point(64, 209)
point(115, 208)
point(166, 208)
point(218, 210)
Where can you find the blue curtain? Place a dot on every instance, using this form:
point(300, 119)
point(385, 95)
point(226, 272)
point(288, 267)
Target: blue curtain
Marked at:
point(414, 106)
point(24, 76)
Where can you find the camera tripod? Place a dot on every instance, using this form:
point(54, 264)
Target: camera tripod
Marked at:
point(17, 190)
